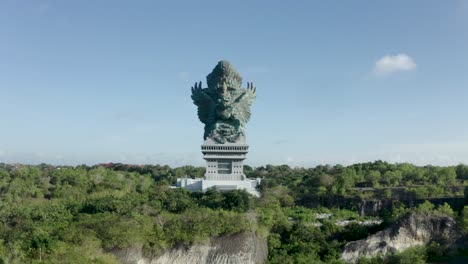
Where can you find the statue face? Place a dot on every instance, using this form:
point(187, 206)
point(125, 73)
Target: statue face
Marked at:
point(224, 96)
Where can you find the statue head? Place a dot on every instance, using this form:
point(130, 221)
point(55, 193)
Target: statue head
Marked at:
point(224, 80)
point(224, 73)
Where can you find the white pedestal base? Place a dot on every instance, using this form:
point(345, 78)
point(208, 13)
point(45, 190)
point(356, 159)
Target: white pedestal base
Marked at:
point(201, 184)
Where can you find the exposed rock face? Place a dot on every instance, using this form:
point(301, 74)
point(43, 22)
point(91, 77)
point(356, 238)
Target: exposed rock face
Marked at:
point(375, 206)
point(235, 249)
point(411, 230)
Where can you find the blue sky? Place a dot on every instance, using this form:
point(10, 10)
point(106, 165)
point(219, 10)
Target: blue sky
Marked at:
point(337, 81)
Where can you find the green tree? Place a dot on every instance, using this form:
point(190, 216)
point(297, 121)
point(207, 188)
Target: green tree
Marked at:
point(373, 177)
point(346, 179)
point(462, 220)
point(462, 171)
point(237, 200)
point(426, 207)
point(445, 209)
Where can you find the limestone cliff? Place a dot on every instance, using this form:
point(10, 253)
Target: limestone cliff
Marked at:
point(243, 248)
point(412, 230)
point(374, 207)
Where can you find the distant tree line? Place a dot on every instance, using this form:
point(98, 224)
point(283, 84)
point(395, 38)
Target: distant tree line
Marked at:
point(366, 180)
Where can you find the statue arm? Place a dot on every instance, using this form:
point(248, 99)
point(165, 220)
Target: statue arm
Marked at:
point(243, 103)
point(204, 102)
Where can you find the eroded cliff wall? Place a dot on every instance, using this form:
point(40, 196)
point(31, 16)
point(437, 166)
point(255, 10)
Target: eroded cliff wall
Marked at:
point(413, 230)
point(242, 248)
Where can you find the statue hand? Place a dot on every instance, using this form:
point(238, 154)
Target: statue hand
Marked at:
point(197, 87)
point(251, 88)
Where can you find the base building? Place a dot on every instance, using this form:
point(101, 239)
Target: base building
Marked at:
point(224, 170)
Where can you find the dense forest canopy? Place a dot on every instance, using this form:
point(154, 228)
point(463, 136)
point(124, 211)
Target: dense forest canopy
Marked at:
point(81, 213)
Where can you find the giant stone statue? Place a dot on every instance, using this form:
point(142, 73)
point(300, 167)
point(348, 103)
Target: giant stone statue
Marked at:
point(224, 107)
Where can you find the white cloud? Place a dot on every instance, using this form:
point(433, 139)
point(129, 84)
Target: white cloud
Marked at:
point(128, 116)
point(435, 153)
point(256, 69)
point(391, 64)
point(115, 139)
point(280, 141)
point(183, 75)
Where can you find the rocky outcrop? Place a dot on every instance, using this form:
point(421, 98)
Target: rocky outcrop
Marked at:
point(235, 249)
point(374, 207)
point(412, 230)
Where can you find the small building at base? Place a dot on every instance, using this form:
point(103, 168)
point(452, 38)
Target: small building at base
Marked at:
point(200, 184)
point(224, 169)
